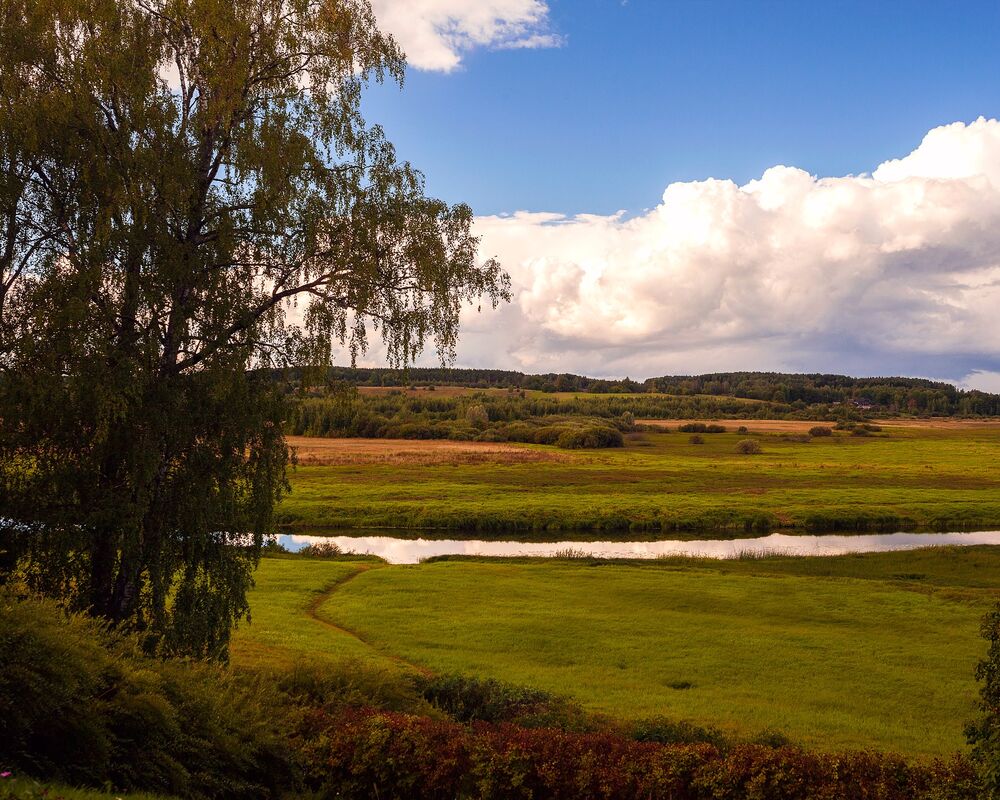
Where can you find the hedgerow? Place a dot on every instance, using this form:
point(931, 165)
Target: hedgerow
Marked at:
point(364, 754)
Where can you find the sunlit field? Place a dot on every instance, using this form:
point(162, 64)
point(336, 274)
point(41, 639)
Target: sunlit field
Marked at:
point(904, 477)
point(847, 652)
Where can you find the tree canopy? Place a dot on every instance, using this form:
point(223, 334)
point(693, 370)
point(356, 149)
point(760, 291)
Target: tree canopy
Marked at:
point(188, 192)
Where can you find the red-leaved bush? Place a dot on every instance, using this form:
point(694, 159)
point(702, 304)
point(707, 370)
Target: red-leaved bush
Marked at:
point(363, 754)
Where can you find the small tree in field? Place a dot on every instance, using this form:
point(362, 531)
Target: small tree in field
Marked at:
point(477, 416)
point(748, 447)
point(984, 733)
point(176, 177)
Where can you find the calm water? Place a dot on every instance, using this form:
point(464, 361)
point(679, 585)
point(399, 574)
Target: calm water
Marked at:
point(411, 551)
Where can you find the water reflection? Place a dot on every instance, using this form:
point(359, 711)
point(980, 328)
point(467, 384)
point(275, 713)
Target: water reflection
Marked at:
point(411, 551)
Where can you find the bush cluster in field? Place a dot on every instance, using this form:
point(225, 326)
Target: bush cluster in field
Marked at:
point(589, 421)
point(81, 705)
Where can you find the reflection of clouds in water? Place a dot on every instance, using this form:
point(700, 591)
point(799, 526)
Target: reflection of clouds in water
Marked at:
point(411, 551)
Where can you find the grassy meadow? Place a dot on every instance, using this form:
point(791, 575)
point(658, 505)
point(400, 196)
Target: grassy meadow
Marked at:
point(917, 476)
point(846, 652)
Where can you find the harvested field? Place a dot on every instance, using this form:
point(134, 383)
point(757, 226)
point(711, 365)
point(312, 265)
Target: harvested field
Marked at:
point(753, 425)
point(343, 452)
point(942, 423)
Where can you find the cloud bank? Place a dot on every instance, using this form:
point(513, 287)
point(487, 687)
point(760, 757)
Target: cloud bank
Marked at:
point(435, 33)
point(896, 272)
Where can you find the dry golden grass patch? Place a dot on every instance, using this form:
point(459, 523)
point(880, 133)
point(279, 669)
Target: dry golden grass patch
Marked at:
point(803, 425)
point(941, 423)
point(338, 452)
point(753, 425)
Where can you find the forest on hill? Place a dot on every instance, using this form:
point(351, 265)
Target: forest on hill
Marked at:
point(874, 395)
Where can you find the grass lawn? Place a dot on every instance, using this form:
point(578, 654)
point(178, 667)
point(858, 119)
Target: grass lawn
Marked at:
point(906, 477)
point(14, 788)
point(283, 629)
point(848, 652)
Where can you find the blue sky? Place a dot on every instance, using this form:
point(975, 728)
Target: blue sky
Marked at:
point(649, 92)
point(803, 186)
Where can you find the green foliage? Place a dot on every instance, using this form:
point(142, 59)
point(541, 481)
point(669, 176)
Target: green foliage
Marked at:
point(344, 412)
point(158, 234)
point(669, 731)
point(701, 427)
point(14, 788)
point(80, 705)
point(749, 447)
point(852, 396)
point(984, 733)
point(820, 430)
point(593, 436)
point(470, 699)
point(477, 416)
point(879, 395)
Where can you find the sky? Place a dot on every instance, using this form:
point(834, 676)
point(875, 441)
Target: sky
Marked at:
point(696, 186)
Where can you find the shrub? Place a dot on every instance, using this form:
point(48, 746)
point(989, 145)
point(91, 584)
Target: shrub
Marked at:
point(748, 447)
point(668, 731)
point(701, 427)
point(860, 431)
point(548, 434)
point(984, 733)
point(820, 430)
point(350, 683)
point(696, 439)
point(321, 550)
point(742, 429)
point(470, 699)
point(590, 437)
point(80, 705)
point(477, 416)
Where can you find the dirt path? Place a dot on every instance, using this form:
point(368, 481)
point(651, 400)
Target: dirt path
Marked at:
point(312, 610)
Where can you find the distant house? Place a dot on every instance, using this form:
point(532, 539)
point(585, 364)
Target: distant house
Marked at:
point(863, 403)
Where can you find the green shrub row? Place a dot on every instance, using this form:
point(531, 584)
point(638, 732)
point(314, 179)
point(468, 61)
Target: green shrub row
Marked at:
point(483, 416)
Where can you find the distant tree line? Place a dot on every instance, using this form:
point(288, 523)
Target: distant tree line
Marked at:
point(887, 395)
point(881, 395)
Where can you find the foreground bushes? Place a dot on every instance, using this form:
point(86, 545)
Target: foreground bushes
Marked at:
point(82, 706)
point(370, 754)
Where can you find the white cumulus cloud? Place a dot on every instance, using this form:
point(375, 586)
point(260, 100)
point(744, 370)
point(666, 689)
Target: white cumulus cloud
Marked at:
point(893, 272)
point(435, 33)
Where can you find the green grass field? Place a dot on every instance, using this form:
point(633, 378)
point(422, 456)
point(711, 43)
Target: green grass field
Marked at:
point(15, 788)
point(848, 652)
point(908, 477)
